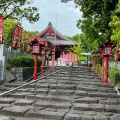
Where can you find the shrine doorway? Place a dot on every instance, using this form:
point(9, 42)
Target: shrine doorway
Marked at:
point(57, 55)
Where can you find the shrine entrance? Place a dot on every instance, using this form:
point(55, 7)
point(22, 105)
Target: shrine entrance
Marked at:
point(57, 55)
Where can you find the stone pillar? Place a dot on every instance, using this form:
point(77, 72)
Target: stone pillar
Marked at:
point(2, 62)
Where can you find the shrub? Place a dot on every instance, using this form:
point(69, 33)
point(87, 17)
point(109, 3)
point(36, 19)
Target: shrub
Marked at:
point(23, 61)
point(8, 66)
point(114, 75)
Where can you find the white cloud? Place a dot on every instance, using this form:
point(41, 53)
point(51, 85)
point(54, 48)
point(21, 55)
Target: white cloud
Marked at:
point(66, 20)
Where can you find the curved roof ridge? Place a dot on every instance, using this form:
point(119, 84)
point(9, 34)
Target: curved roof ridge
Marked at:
point(57, 32)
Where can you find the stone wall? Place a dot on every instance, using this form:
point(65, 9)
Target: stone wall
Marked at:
point(23, 74)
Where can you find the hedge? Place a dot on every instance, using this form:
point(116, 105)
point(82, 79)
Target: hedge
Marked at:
point(22, 61)
point(114, 75)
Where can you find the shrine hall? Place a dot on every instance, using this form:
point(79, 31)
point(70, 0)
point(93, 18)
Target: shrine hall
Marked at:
point(61, 44)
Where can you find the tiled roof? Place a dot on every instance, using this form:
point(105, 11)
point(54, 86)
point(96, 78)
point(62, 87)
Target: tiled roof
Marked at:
point(61, 42)
point(66, 41)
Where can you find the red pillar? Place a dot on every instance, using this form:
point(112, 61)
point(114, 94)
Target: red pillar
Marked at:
point(105, 69)
point(93, 66)
point(35, 66)
point(53, 58)
point(42, 63)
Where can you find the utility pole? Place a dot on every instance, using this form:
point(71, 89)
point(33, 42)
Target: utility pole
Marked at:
point(56, 17)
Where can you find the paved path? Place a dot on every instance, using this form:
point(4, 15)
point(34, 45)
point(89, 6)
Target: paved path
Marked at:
point(85, 97)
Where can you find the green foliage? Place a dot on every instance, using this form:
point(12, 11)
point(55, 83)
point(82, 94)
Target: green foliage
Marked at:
point(115, 23)
point(90, 38)
point(74, 38)
point(98, 68)
point(77, 49)
point(23, 61)
point(114, 75)
point(27, 38)
point(96, 17)
point(8, 66)
point(8, 31)
point(19, 9)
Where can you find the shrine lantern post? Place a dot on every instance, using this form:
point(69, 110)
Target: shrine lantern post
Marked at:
point(106, 54)
point(35, 51)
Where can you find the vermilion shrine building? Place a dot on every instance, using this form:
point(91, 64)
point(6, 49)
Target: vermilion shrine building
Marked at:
point(61, 43)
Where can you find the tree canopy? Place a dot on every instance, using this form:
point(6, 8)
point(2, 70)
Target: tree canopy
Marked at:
point(96, 18)
point(115, 24)
point(8, 31)
point(19, 9)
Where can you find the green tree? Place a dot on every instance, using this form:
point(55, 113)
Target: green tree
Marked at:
point(27, 38)
point(8, 31)
point(19, 9)
point(89, 37)
point(77, 49)
point(100, 12)
point(74, 38)
point(115, 23)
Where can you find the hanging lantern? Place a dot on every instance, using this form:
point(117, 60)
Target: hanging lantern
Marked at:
point(35, 46)
point(107, 49)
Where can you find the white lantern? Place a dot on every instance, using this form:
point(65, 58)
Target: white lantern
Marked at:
point(42, 52)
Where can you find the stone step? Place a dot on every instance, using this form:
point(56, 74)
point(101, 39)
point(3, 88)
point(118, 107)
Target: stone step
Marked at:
point(13, 85)
point(55, 105)
point(85, 98)
point(6, 100)
point(39, 90)
point(84, 88)
point(20, 94)
point(23, 102)
point(46, 115)
point(61, 92)
point(105, 101)
point(4, 117)
point(58, 98)
point(110, 102)
point(38, 97)
point(59, 81)
point(62, 86)
point(15, 110)
point(105, 95)
point(80, 93)
point(89, 107)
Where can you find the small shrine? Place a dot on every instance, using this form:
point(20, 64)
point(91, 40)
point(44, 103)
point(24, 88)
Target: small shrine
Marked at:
point(61, 44)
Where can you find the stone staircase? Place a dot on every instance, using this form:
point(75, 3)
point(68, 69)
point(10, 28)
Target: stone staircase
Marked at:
point(84, 97)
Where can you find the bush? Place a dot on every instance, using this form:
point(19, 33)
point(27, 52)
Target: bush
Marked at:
point(8, 66)
point(23, 61)
point(114, 75)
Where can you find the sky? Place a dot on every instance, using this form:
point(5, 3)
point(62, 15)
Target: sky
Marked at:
point(63, 16)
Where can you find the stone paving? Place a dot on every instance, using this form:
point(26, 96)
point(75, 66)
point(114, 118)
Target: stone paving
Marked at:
point(85, 97)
